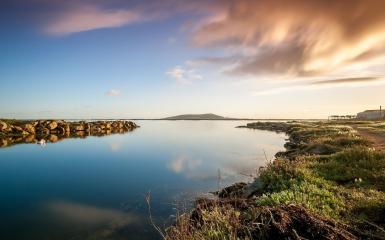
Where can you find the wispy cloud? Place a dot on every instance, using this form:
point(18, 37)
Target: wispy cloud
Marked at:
point(324, 84)
point(183, 76)
point(80, 16)
point(113, 92)
point(348, 80)
point(87, 18)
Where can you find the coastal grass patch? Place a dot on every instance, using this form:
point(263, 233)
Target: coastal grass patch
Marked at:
point(290, 183)
point(332, 172)
point(357, 167)
point(366, 205)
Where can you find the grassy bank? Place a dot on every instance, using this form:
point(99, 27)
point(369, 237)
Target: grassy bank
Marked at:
point(328, 184)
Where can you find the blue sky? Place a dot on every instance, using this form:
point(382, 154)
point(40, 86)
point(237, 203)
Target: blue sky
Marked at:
point(131, 59)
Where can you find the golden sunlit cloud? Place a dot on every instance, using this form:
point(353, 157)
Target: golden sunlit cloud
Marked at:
point(296, 37)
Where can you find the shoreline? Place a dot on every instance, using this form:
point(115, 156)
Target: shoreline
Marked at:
point(323, 186)
point(34, 131)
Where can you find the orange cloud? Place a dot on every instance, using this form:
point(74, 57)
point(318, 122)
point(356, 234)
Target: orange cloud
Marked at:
point(296, 37)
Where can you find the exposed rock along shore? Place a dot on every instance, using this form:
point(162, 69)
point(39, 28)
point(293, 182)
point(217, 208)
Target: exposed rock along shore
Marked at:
point(12, 132)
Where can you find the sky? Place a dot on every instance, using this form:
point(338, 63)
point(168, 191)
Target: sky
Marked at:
point(157, 58)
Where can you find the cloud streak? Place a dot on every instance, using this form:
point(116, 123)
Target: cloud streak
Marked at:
point(89, 18)
point(347, 80)
point(324, 84)
point(86, 15)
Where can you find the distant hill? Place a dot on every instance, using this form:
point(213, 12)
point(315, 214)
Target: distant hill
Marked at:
point(206, 116)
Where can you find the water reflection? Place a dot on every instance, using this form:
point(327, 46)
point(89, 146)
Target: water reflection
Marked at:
point(88, 214)
point(184, 164)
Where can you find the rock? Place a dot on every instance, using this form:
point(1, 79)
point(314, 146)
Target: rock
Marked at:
point(233, 191)
point(42, 131)
point(77, 127)
point(132, 124)
point(3, 126)
point(87, 126)
point(61, 130)
point(17, 129)
point(52, 125)
point(65, 127)
point(29, 128)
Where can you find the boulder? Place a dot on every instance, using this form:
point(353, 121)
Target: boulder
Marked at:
point(65, 127)
point(52, 125)
point(3, 126)
point(17, 129)
point(87, 126)
point(61, 130)
point(29, 128)
point(132, 124)
point(77, 127)
point(42, 131)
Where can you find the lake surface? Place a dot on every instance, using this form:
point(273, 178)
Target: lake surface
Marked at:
point(95, 188)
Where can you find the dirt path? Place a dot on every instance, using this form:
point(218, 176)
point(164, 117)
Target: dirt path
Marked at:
point(377, 139)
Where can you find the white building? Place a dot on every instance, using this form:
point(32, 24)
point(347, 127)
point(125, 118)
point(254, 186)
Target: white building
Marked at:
point(371, 115)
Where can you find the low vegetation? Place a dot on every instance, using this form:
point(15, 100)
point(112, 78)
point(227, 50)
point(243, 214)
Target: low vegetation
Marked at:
point(328, 184)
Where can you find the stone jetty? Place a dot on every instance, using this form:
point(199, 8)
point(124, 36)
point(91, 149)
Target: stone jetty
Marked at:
point(22, 131)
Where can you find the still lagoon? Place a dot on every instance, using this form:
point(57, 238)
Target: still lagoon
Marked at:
point(95, 188)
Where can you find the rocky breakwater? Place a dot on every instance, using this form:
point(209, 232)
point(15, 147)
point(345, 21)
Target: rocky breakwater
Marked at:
point(268, 126)
point(14, 131)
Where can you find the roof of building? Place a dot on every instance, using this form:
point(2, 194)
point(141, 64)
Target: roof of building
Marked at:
point(377, 110)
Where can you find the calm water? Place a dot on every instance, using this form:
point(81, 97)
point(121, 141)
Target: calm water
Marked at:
point(95, 188)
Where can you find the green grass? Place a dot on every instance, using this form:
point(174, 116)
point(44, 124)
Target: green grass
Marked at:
point(289, 183)
point(357, 167)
